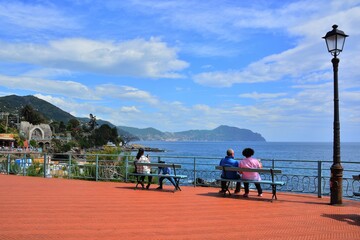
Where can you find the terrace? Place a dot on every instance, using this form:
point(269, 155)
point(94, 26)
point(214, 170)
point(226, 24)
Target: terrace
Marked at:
point(56, 208)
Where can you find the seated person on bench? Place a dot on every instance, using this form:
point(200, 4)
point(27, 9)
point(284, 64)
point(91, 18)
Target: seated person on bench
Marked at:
point(250, 162)
point(141, 158)
point(229, 161)
point(165, 171)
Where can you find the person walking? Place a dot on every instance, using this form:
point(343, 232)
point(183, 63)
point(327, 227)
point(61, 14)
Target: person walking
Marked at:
point(250, 162)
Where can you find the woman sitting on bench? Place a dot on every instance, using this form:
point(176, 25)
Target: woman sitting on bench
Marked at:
point(250, 162)
point(140, 158)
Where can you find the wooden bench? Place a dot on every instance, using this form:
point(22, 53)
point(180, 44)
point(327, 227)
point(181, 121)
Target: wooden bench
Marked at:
point(356, 178)
point(270, 171)
point(175, 176)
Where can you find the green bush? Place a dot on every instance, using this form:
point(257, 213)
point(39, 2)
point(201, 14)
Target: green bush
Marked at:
point(35, 170)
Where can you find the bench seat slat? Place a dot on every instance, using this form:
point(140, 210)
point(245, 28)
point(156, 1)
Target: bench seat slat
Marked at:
point(159, 165)
point(259, 170)
point(252, 181)
point(157, 175)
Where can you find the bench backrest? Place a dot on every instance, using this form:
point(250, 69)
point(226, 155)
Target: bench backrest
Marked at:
point(159, 164)
point(237, 169)
point(259, 170)
point(162, 165)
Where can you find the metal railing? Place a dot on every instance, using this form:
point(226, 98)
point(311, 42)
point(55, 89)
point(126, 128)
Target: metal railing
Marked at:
point(303, 176)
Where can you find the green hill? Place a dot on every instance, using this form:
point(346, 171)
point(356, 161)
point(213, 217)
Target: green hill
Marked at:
point(13, 105)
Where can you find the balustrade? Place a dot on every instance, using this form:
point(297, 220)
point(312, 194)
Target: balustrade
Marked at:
point(303, 176)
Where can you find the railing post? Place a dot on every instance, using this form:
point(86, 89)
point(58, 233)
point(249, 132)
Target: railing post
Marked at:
point(194, 172)
point(69, 167)
point(273, 163)
point(8, 164)
point(126, 168)
point(97, 168)
point(319, 179)
point(23, 161)
point(45, 165)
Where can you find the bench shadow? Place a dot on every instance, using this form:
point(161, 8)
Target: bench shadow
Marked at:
point(352, 219)
point(236, 197)
point(150, 189)
point(265, 198)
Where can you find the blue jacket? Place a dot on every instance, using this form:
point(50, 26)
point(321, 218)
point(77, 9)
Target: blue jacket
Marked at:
point(164, 170)
point(229, 162)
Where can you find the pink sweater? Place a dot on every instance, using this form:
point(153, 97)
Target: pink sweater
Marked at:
point(250, 163)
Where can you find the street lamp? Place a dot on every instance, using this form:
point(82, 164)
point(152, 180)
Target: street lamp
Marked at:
point(335, 40)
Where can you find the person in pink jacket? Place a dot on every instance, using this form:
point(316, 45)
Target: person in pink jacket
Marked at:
point(250, 162)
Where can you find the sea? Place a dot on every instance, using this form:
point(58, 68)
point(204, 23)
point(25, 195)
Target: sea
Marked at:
point(314, 151)
point(291, 157)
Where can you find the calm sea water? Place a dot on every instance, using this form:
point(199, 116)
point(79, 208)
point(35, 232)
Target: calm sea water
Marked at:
point(267, 150)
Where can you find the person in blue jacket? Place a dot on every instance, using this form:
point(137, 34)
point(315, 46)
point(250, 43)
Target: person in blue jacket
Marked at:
point(229, 161)
point(165, 171)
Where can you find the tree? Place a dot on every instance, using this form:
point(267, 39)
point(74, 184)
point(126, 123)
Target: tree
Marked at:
point(104, 134)
point(54, 127)
point(32, 116)
point(62, 127)
point(73, 124)
point(33, 143)
point(128, 138)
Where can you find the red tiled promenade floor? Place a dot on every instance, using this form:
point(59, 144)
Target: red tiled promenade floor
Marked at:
point(38, 208)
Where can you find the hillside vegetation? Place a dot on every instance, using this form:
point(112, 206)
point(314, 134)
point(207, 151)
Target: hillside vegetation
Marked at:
point(13, 104)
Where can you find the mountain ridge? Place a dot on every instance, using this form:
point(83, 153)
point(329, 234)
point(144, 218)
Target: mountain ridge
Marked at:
point(221, 133)
point(14, 104)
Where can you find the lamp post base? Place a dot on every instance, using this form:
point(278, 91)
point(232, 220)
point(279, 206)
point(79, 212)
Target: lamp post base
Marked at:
point(336, 184)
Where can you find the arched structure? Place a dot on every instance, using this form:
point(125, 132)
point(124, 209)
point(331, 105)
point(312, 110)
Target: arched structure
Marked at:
point(41, 133)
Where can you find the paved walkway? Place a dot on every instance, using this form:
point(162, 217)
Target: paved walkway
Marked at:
point(38, 208)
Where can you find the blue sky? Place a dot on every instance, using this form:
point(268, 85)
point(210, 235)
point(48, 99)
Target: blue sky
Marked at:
point(177, 65)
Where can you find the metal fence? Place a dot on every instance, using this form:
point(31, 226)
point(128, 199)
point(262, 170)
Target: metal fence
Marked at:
point(303, 176)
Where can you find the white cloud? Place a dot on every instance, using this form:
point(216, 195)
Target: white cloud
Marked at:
point(307, 59)
point(138, 57)
point(271, 68)
point(351, 96)
point(48, 73)
point(66, 88)
point(129, 109)
point(78, 109)
point(75, 90)
point(125, 92)
point(202, 108)
point(34, 16)
point(256, 95)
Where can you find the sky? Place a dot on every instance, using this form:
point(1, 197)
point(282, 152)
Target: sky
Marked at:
point(178, 65)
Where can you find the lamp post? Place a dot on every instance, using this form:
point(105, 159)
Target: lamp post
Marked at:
point(335, 40)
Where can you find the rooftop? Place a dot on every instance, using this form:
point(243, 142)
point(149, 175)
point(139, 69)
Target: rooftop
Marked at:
point(39, 208)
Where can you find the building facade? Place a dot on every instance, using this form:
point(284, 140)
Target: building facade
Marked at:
point(41, 133)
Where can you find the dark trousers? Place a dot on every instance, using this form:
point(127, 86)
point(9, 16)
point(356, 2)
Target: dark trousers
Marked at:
point(223, 186)
point(237, 189)
point(257, 185)
point(142, 179)
point(161, 179)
